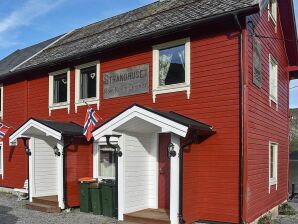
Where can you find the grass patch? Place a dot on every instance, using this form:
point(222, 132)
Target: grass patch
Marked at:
point(286, 209)
point(266, 219)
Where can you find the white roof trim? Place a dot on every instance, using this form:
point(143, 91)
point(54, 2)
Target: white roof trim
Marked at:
point(146, 115)
point(33, 123)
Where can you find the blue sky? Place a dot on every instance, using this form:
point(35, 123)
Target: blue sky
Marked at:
point(26, 22)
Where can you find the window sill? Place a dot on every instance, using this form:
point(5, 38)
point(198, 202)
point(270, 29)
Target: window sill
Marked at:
point(273, 100)
point(106, 178)
point(58, 106)
point(89, 101)
point(171, 89)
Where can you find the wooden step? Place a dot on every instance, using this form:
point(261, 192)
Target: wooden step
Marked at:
point(43, 207)
point(47, 200)
point(152, 216)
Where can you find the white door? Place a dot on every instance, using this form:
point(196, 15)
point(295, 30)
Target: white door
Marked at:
point(44, 168)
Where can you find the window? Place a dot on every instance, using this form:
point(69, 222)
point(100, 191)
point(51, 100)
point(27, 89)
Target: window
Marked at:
point(257, 62)
point(273, 161)
point(1, 101)
point(272, 8)
point(1, 159)
point(171, 67)
point(273, 79)
point(106, 168)
point(87, 84)
point(59, 88)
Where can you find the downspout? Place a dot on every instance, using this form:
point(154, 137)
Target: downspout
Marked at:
point(241, 179)
point(181, 151)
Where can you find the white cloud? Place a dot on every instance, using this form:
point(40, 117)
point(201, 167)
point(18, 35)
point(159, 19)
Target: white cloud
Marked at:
point(24, 17)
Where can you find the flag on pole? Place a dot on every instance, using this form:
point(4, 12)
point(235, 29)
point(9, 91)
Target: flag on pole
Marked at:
point(3, 130)
point(91, 119)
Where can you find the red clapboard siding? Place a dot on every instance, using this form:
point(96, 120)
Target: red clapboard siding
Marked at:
point(211, 175)
point(265, 123)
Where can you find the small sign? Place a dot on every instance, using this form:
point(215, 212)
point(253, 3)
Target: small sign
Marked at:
point(126, 82)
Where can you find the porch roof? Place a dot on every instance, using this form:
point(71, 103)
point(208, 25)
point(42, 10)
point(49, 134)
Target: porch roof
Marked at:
point(165, 121)
point(34, 126)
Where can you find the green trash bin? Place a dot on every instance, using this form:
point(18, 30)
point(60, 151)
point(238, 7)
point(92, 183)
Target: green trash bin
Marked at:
point(95, 189)
point(85, 197)
point(108, 191)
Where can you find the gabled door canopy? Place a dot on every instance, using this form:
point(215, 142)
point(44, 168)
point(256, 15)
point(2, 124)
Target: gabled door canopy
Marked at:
point(39, 127)
point(154, 120)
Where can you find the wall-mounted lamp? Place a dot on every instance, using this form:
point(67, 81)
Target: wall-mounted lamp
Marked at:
point(171, 151)
point(28, 152)
point(56, 151)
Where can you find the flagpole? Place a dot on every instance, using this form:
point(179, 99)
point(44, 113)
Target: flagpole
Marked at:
point(94, 110)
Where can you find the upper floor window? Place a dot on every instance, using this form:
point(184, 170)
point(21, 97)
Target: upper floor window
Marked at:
point(273, 79)
point(1, 101)
point(171, 67)
point(257, 62)
point(272, 8)
point(87, 84)
point(59, 89)
point(273, 163)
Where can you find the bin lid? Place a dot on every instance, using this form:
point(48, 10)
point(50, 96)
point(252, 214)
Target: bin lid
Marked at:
point(95, 185)
point(87, 180)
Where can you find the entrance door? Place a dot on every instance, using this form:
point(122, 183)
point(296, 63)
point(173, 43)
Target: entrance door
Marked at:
point(164, 172)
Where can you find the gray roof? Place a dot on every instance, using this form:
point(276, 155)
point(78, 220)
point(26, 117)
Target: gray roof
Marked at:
point(65, 128)
point(19, 56)
point(140, 23)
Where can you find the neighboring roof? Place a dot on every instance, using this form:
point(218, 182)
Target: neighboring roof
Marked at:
point(49, 128)
point(169, 121)
point(19, 56)
point(161, 16)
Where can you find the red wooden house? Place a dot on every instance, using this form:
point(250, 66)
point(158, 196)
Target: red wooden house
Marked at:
point(194, 93)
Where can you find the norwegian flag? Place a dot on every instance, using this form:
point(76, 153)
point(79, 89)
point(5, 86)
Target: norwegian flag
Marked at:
point(3, 130)
point(90, 121)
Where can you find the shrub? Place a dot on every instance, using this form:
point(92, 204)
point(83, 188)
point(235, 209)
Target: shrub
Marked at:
point(266, 219)
point(286, 209)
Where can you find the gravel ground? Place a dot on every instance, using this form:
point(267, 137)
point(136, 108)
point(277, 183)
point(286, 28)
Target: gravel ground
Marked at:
point(14, 212)
point(282, 219)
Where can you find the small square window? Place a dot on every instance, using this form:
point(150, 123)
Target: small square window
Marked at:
point(273, 79)
point(60, 88)
point(88, 83)
point(106, 168)
point(171, 67)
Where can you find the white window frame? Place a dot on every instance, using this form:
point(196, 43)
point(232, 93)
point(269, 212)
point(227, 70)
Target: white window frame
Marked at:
point(94, 100)
point(96, 157)
point(2, 160)
point(2, 92)
point(56, 106)
point(274, 180)
point(272, 96)
point(174, 87)
point(273, 15)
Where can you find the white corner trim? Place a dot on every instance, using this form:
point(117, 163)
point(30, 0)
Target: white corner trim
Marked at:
point(60, 171)
point(32, 123)
point(135, 111)
point(273, 181)
point(2, 93)
point(51, 44)
point(57, 106)
point(156, 89)
point(95, 100)
point(2, 160)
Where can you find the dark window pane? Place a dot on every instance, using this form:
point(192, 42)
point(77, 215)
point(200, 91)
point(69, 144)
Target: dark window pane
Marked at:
point(60, 88)
point(271, 161)
point(88, 83)
point(172, 65)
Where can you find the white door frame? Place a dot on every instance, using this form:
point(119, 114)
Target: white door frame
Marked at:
point(60, 172)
